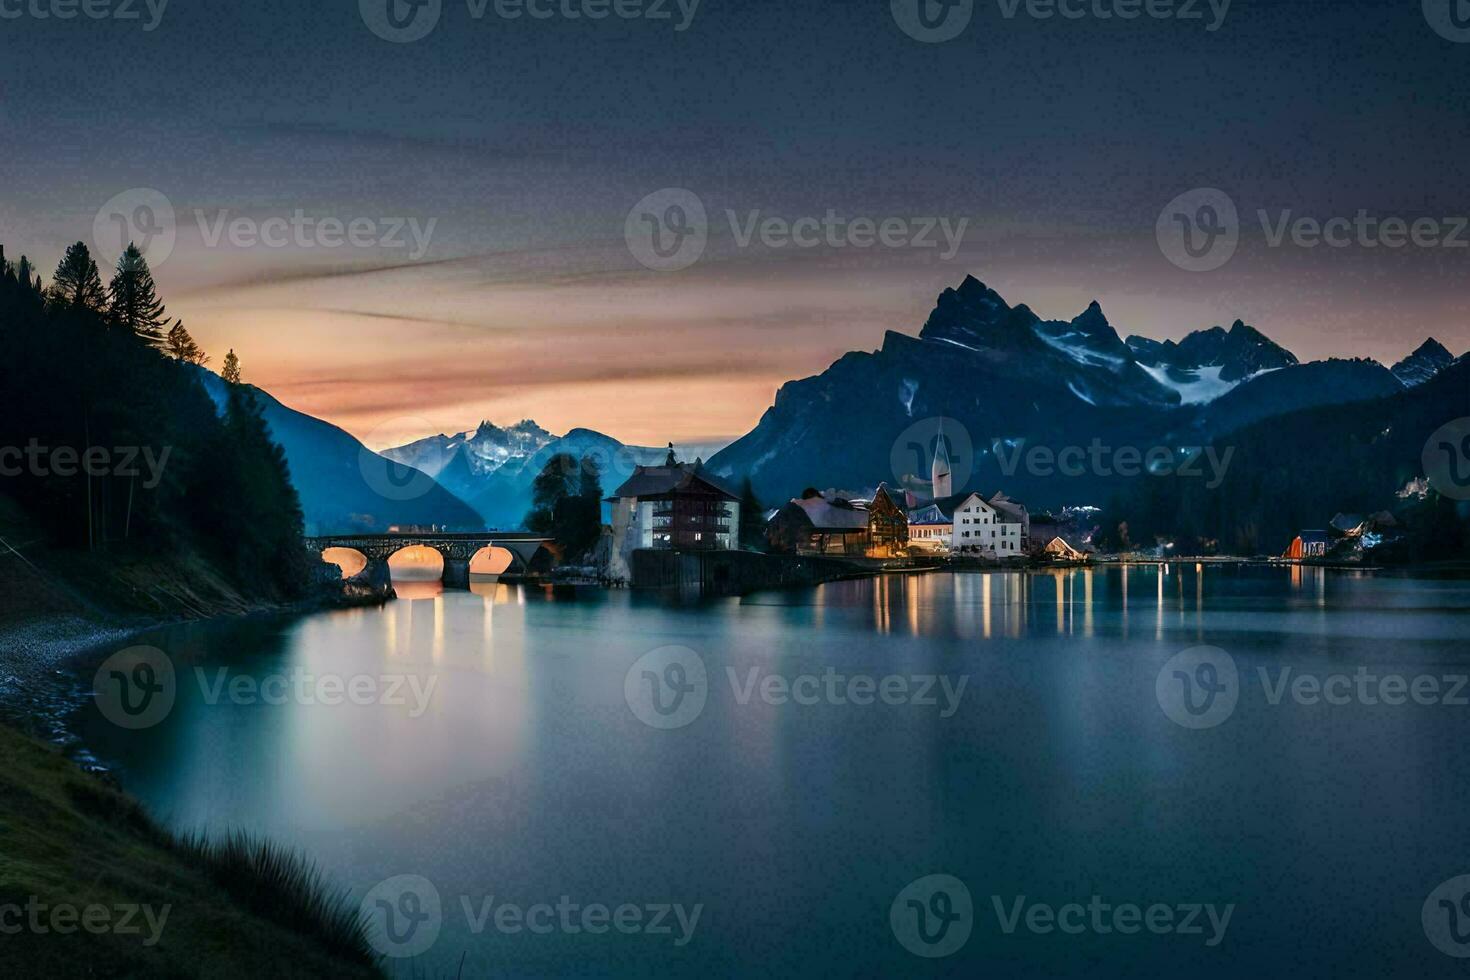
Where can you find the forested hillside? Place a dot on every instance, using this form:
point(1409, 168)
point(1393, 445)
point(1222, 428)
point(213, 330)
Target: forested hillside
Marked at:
point(110, 445)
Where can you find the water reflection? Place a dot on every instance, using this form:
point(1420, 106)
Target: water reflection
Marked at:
point(1070, 602)
point(528, 776)
point(1176, 598)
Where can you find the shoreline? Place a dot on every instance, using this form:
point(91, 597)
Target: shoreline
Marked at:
point(39, 661)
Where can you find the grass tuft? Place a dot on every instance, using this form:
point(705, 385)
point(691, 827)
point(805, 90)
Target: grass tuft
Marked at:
point(284, 887)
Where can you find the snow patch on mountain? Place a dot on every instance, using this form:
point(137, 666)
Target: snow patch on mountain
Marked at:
point(906, 392)
point(1199, 386)
point(1422, 365)
point(1069, 344)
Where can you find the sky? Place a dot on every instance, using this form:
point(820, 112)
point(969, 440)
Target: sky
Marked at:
point(502, 177)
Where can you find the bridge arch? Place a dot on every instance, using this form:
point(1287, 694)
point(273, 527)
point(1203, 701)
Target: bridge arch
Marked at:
point(417, 563)
point(350, 560)
point(495, 560)
point(453, 554)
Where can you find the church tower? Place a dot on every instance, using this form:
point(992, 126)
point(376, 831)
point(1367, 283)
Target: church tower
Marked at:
point(939, 473)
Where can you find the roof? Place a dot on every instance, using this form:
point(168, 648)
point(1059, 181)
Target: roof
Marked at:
point(1312, 536)
point(930, 514)
point(827, 516)
point(1057, 544)
point(659, 481)
point(1008, 507)
point(946, 506)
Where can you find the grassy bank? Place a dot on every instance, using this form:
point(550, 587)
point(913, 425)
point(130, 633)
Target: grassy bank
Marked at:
point(227, 909)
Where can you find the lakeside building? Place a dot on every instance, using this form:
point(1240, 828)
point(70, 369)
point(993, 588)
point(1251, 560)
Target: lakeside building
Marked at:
point(930, 528)
point(1308, 544)
point(1059, 547)
point(673, 507)
point(828, 524)
point(988, 528)
point(971, 524)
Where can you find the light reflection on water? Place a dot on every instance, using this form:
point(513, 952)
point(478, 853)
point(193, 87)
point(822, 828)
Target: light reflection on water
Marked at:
point(528, 777)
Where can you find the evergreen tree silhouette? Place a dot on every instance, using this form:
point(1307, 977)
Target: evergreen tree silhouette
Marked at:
point(752, 519)
point(581, 520)
point(231, 370)
point(178, 345)
point(217, 490)
point(77, 284)
point(24, 272)
point(556, 482)
point(134, 297)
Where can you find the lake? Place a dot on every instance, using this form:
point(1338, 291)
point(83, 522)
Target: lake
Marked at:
point(1182, 770)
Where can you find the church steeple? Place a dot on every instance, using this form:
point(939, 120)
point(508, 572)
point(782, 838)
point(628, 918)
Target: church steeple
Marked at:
point(939, 476)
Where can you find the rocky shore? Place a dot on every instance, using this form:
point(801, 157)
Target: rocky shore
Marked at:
point(47, 629)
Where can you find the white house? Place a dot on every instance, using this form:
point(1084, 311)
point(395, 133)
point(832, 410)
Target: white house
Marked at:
point(987, 529)
point(971, 525)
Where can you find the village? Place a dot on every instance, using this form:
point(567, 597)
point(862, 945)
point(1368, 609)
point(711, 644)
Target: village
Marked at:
point(682, 507)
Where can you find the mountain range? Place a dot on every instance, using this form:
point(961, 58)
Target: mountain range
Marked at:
point(492, 468)
point(1004, 377)
point(1000, 376)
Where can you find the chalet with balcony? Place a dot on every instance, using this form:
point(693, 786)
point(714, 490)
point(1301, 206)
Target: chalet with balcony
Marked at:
point(673, 507)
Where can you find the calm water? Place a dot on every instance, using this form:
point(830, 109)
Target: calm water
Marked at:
point(524, 775)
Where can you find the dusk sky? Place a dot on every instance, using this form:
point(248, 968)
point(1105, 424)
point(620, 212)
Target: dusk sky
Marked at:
point(517, 148)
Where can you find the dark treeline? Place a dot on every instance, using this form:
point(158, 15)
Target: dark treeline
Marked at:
point(566, 503)
point(1297, 472)
point(109, 442)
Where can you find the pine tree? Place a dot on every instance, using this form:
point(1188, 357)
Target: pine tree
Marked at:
point(752, 519)
point(135, 304)
point(181, 347)
point(552, 486)
point(24, 272)
point(581, 523)
point(263, 497)
point(231, 371)
point(77, 283)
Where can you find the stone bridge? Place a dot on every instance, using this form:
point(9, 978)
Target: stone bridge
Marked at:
point(456, 549)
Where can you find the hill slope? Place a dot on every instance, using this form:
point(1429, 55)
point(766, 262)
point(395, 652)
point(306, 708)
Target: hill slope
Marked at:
point(346, 487)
